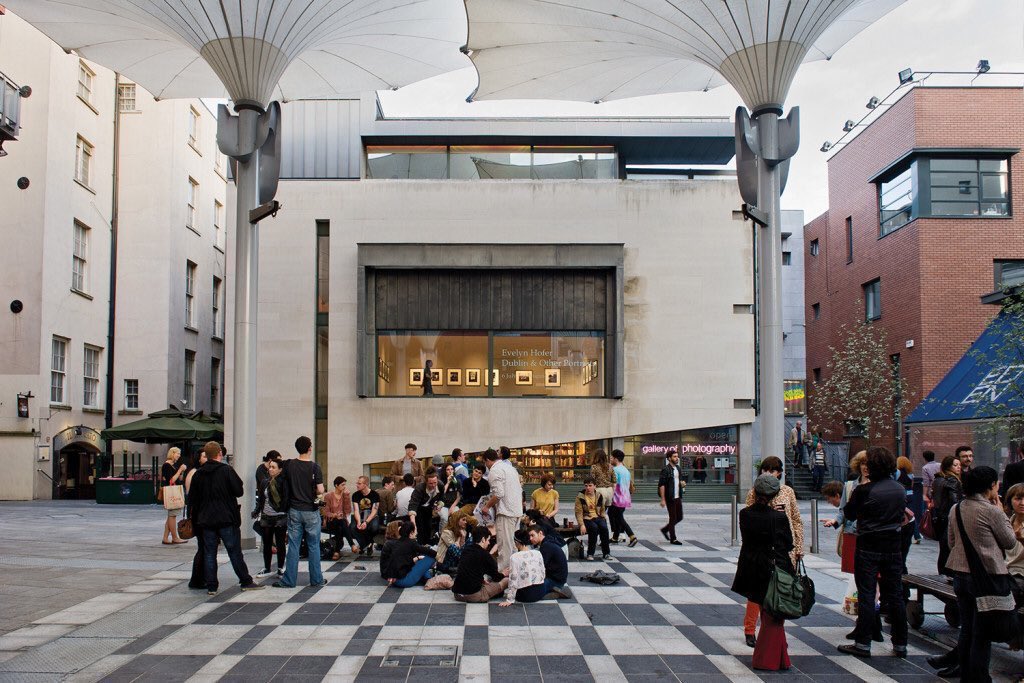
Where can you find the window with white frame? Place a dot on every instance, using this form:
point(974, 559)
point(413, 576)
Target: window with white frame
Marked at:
point(190, 289)
point(83, 160)
point(58, 369)
point(80, 259)
point(193, 127)
point(131, 394)
point(215, 386)
point(217, 331)
point(190, 380)
point(126, 97)
point(91, 377)
point(218, 162)
point(193, 202)
point(218, 224)
point(85, 81)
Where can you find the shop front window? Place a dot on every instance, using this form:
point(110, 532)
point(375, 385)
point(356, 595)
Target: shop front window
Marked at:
point(481, 364)
point(706, 456)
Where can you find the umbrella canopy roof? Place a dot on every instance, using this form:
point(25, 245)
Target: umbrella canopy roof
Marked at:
point(167, 426)
point(596, 50)
point(258, 51)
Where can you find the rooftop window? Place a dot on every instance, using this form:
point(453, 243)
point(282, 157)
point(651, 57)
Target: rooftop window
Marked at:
point(491, 162)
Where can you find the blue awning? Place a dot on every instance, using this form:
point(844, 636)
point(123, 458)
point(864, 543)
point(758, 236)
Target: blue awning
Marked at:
point(988, 382)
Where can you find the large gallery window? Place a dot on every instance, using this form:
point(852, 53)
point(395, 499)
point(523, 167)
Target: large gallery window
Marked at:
point(491, 162)
point(483, 363)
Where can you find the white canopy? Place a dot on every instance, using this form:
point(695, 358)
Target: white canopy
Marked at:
point(595, 50)
point(258, 51)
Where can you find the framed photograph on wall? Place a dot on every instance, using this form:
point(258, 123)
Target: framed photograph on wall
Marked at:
point(454, 377)
point(472, 377)
point(524, 377)
point(593, 370)
point(552, 377)
point(586, 374)
point(437, 377)
point(416, 377)
point(495, 378)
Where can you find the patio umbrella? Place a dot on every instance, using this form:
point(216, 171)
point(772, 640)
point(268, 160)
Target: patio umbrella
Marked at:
point(252, 52)
point(596, 50)
point(167, 426)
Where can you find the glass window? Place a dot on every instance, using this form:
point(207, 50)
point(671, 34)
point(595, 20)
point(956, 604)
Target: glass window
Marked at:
point(575, 163)
point(815, 311)
point(323, 273)
point(491, 162)
point(896, 201)
point(190, 286)
point(424, 161)
point(787, 258)
point(322, 365)
point(549, 364)
point(815, 247)
point(126, 97)
point(218, 225)
point(85, 79)
point(58, 359)
point(131, 394)
point(458, 361)
point(217, 321)
point(190, 380)
point(193, 202)
point(849, 239)
point(873, 300)
point(969, 187)
point(80, 258)
point(83, 161)
point(1009, 273)
point(215, 386)
point(91, 377)
point(193, 127)
point(469, 162)
point(705, 455)
point(794, 396)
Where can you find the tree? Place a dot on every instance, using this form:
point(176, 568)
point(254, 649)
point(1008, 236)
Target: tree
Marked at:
point(863, 390)
point(999, 396)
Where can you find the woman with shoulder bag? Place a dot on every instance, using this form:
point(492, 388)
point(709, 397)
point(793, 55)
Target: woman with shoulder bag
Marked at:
point(272, 511)
point(979, 532)
point(947, 491)
point(172, 473)
point(766, 544)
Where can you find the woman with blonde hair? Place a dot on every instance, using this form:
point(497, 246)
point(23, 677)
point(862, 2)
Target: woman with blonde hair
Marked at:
point(453, 540)
point(172, 474)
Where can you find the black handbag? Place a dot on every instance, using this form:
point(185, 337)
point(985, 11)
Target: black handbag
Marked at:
point(807, 598)
point(997, 617)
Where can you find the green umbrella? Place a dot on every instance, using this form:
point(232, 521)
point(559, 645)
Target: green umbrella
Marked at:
point(167, 426)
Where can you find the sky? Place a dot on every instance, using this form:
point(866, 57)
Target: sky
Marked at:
point(926, 35)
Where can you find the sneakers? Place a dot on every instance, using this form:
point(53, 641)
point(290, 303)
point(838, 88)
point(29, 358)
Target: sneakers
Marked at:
point(211, 593)
point(632, 541)
point(280, 573)
point(676, 542)
point(253, 587)
point(614, 539)
point(562, 592)
point(318, 585)
point(279, 584)
point(664, 532)
point(899, 651)
point(855, 650)
point(608, 558)
point(263, 573)
point(589, 558)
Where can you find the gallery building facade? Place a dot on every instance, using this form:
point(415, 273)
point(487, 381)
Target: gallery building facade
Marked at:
point(564, 302)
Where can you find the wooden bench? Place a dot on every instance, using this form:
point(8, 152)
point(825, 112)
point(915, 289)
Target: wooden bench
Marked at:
point(936, 586)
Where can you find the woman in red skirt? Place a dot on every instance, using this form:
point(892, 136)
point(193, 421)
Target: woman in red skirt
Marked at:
point(767, 541)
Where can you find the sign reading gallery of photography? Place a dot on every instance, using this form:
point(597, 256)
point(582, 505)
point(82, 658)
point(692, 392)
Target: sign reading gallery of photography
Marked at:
point(568, 364)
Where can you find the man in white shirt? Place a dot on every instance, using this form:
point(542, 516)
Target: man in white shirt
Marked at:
point(507, 499)
point(403, 497)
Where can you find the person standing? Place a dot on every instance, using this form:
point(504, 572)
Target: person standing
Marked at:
point(262, 474)
point(819, 466)
point(797, 438)
point(670, 490)
point(928, 472)
point(198, 579)
point(305, 483)
point(601, 472)
point(847, 544)
point(272, 512)
point(1013, 473)
point(766, 543)
point(878, 508)
point(506, 501)
point(337, 514)
point(785, 502)
point(365, 513)
point(590, 507)
point(979, 533)
point(172, 473)
point(407, 464)
point(947, 491)
point(622, 499)
point(700, 468)
point(216, 489)
point(965, 454)
point(423, 505)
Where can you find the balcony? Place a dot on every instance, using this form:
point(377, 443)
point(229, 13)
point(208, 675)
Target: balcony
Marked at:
point(10, 109)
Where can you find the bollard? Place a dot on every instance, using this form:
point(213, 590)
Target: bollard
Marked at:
point(814, 526)
point(735, 522)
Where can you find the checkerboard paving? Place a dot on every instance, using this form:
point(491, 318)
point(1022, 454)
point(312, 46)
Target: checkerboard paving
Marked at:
point(671, 617)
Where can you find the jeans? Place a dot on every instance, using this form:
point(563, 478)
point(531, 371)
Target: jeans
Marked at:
point(303, 523)
point(364, 537)
point(231, 537)
point(884, 570)
point(973, 649)
point(619, 525)
point(597, 528)
point(818, 477)
point(416, 575)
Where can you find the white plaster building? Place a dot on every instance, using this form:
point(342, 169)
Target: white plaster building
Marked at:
point(57, 262)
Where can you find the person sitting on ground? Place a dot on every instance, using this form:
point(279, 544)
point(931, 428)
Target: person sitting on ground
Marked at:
point(556, 565)
point(525, 573)
point(393, 530)
point(386, 494)
point(536, 517)
point(425, 500)
point(590, 507)
point(404, 562)
point(365, 505)
point(403, 496)
point(337, 514)
point(451, 492)
point(475, 565)
point(453, 541)
point(545, 498)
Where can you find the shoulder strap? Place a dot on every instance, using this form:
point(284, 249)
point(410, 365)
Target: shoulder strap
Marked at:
point(973, 560)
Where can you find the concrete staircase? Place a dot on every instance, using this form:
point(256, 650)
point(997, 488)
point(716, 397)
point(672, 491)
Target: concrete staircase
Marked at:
point(800, 479)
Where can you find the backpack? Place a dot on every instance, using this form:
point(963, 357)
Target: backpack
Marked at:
point(601, 578)
point(576, 550)
point(327, 549)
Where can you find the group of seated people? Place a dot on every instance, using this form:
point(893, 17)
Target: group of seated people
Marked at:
point(464, 561)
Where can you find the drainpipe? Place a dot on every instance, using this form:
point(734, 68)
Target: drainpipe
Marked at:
point(108, 411)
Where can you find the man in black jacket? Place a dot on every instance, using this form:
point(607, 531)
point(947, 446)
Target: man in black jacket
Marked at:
point(670, 489)
point(425, 498)
point(216, 489)
point(475, 563)
point(1013, 473)
point(878, 508)
point(556, 564)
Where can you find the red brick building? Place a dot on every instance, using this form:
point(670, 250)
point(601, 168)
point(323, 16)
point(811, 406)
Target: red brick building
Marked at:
point(926, 216)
